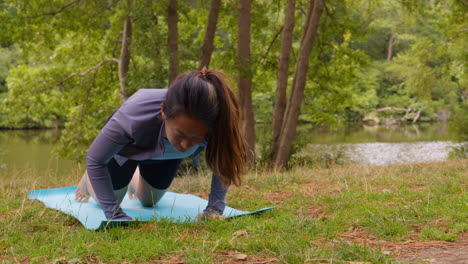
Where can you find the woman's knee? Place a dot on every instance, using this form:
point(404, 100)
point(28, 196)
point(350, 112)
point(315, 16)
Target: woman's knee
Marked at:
point(151, 197)
point(160, 174)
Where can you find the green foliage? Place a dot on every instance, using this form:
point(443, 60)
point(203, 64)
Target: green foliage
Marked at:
point(426, 72)
point(7, 60)
point(45, 42)
point(459, 127)
point(49, 83)
point(340, 91)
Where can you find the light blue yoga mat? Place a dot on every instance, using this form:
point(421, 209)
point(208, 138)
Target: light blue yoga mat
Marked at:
point(173, 206)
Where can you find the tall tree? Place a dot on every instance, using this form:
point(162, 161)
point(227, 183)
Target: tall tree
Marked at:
point(288, 130)
point(283, 72)
point(245, 75)
point(390, 48)
point(124, 62)
point(208, 43)
point(173, 40)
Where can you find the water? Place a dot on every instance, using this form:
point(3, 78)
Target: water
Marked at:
point(32, 149)
point(369, 134)
point(364, 145)
point(379, 154)
point(378, 145)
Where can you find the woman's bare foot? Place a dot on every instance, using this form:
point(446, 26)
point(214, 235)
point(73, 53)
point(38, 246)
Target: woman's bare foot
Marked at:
point(82, 193)
point(131, 192)
point(133, 183)
point(85, 190)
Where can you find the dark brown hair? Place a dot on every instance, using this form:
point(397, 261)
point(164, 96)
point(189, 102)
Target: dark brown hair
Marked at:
point(205, 96)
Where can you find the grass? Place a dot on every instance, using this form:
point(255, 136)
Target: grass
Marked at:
point(340, 214)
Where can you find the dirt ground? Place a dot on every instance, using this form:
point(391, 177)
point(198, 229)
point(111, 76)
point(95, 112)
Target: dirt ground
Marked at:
point(434, 252)
point(417, 252)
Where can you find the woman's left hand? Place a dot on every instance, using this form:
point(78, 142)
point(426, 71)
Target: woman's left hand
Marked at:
point(210, 214)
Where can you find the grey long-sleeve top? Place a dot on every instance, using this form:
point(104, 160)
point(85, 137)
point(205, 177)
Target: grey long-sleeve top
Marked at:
point(134, 132)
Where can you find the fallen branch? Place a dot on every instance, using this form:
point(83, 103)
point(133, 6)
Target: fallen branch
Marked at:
point(99, 65)
point(410, 113)
point(390, 108)
point(373, 119)
point(418, 114)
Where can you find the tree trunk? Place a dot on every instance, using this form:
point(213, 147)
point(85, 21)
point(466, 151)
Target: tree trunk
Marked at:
point(282, 79)
point(390, 48)
point(293, 85)
point(288, 131)
point(124, 61)
point(173, 39)
point(245, 76)
point(208, 44)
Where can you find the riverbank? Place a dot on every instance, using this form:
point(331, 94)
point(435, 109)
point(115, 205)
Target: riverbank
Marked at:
point(324, 215)
point(24, 149)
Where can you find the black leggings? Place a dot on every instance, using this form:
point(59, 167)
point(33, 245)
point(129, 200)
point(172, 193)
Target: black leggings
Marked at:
point(157, 173)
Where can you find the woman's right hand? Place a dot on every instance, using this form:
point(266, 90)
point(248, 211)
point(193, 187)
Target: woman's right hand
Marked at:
point(121, 215)
point(126, 218)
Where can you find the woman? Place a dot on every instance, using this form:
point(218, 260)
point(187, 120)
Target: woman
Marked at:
point(154, 129)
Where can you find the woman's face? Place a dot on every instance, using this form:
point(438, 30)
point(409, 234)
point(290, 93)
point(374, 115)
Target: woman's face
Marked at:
point(184, 132)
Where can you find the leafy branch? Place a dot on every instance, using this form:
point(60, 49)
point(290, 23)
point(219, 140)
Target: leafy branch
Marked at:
point(99, 65)
point(58, 11)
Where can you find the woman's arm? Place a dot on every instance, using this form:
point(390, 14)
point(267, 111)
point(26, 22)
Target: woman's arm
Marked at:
point(217, 197)
point(105, 146)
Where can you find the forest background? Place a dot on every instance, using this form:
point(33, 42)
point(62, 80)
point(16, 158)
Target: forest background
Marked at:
point(70, 63)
